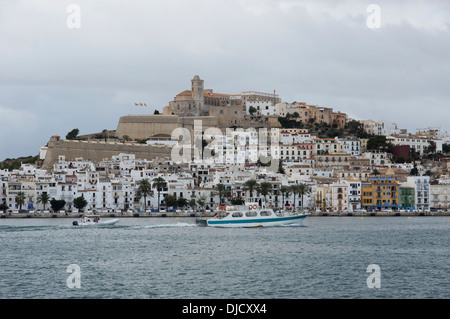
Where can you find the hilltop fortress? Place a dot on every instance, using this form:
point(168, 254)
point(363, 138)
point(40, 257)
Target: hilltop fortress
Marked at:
point(215, 110)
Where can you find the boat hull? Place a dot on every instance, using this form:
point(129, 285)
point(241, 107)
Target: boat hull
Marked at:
point(257, 222)
point(100, 224)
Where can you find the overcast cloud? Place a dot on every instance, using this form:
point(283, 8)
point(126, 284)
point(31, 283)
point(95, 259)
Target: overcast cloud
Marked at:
point(54, 78)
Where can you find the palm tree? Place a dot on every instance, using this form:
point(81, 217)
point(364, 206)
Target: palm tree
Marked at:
point(201, 201)
point(285, 191)
point(221, 191)
point(159, 183)
point(375, 172)
point(303, 189)
point(137, 198)
point(20, 199)
point(295, 190)
point(250, 185)
point(43, 198)
point(145, 190)
point(265, 188)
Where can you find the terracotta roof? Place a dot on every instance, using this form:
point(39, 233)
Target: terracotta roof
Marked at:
point(184, 93)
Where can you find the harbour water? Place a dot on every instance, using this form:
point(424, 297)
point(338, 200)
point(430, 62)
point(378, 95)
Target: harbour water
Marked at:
point(158, 258)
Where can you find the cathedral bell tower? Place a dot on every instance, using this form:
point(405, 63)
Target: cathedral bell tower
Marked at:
point(197, 94)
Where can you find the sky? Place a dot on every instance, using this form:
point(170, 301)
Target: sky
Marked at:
point(84, 64)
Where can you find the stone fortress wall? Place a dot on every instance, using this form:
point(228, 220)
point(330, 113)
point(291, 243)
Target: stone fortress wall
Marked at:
point(97, 151)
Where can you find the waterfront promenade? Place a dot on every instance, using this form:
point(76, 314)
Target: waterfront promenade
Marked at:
point(210, 214)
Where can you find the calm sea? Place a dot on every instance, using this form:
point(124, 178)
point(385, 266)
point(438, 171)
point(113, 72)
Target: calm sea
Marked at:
point(157, 258)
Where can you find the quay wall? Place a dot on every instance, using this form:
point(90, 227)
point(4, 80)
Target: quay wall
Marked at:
point(210, 214)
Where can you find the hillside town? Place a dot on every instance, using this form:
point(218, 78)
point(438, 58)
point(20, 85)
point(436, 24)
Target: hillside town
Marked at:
point(326, 163)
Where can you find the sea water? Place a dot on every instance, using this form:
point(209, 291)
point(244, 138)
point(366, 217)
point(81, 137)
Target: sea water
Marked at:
point(157, 258)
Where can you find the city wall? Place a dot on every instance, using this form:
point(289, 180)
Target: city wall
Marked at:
point(97, 151)
point(145, 126)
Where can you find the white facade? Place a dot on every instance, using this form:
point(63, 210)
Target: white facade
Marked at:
point(263, 108)
point(421, 185)
point(352, 147)
point(354, 194)
point(440, 196)
point(377, 158)
point(419, 144)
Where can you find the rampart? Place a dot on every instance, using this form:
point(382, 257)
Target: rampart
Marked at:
point(97, 151)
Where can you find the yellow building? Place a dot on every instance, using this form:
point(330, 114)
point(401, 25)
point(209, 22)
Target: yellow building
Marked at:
point(380, 193)
point(366, 194)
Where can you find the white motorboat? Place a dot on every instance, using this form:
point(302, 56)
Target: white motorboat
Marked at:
point(252, 218)
point(94, 220)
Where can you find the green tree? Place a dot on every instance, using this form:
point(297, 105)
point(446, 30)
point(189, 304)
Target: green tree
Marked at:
point(20, 199)
point(285, 192)
point(252, 110)
point(446, 148)
point(57, 205)
point(295, 191)
point(159, 183)
point(192, 203)
point(250, 186)
point(182, 202)
point(145, 190)
point(44, 199)
point(378, 142)
point(265, 188)
point(201, 201)
point(80, 203)
point(375, 172)
point(237, 201)
point(400, 159)
point(3, 207)
point(221, 190)
point(280, 168)
point(170, 200)
point(431, 148)
point(72, 134)
point(414, 171)
point(303, 189)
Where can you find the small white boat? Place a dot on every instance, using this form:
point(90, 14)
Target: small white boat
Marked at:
point(94, 220)
point(252, 218)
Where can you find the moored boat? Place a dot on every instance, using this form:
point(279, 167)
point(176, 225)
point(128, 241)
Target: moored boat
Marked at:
point(252, 218)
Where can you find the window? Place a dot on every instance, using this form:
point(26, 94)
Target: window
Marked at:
point(265, 213)
point(250, 214)
point(237, 214)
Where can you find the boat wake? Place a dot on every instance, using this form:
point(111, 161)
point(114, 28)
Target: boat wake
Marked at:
point(178, 225)
point(13, 228)
point(169, 225)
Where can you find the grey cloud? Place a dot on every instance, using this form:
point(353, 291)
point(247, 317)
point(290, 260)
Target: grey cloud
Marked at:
point(321, 53)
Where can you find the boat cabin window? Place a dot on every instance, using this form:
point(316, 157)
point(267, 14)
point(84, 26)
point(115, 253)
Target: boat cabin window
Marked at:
point(237, 214)
point(265, 213)
point(250, 214)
